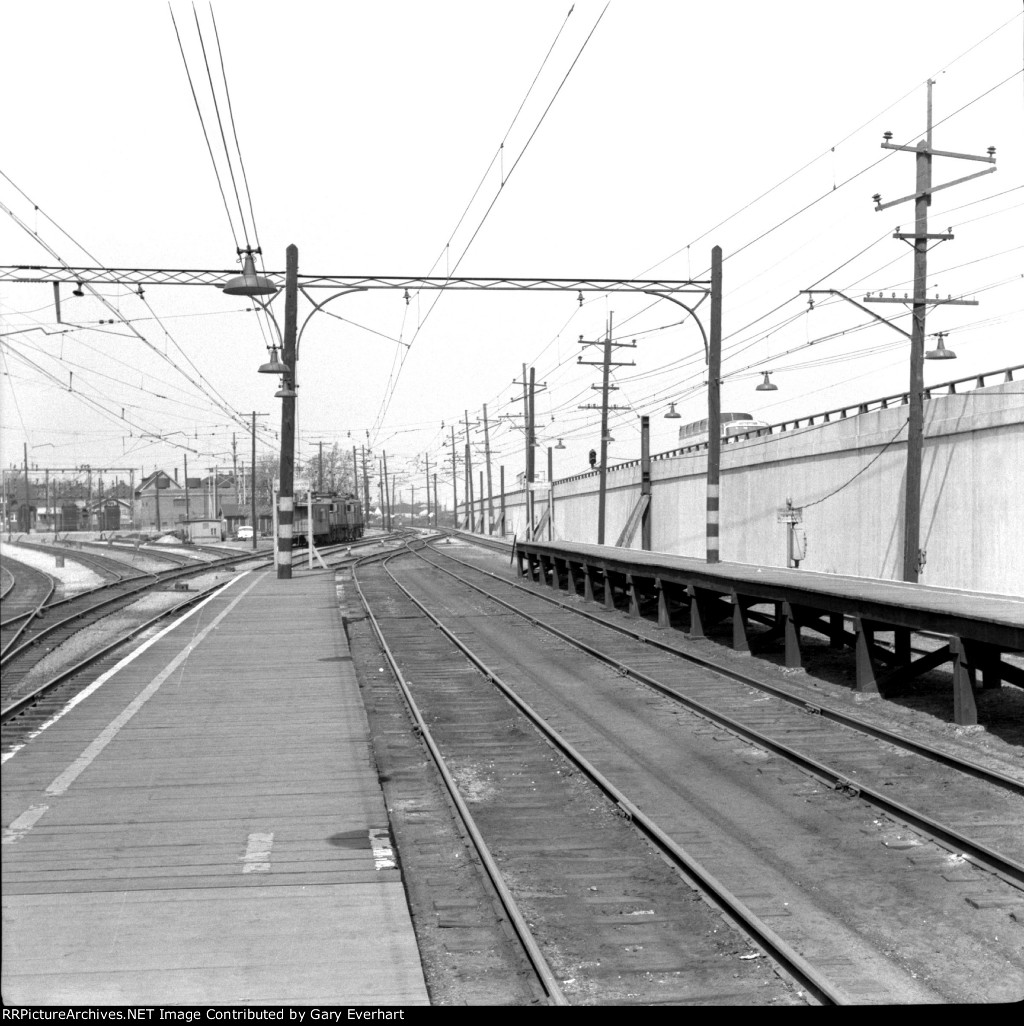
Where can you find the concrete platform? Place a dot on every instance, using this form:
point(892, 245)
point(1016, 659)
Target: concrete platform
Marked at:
point(207, 827)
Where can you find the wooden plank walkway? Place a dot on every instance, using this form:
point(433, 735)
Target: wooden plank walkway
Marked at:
point(207, 827)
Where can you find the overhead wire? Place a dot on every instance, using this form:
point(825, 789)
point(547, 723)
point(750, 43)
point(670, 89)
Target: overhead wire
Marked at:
point(385, 405)
point(202, 124)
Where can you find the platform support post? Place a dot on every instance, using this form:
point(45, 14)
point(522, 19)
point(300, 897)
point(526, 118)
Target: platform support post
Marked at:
point(836, 630)
point(965, 712)
point(901, 643)
point(609, 591)
point(570, 577)
point(634, 600)
point(664, 620)
point(865, 664)
point(740, 644)
point(696, 623)
point(588, 583)
point(791, 627)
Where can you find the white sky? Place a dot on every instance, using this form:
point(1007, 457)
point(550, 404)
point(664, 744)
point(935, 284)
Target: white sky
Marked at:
point(365, 129)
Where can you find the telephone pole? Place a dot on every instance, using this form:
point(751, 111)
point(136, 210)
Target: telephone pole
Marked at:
point(252, 497)
point(529, 384)
point(913, 557)
point(455, 486)
point(366, 489)
point(470, 498)
point(427, 474)
point(605, 387)
point(487, 458)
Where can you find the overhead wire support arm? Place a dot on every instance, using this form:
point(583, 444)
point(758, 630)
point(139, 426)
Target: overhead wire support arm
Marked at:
point(29, 273)
point(860, 306)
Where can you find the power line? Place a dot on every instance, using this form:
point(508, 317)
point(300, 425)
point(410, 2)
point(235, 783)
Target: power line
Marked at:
point(220, 125)
point(202, 123)
point(234, 130)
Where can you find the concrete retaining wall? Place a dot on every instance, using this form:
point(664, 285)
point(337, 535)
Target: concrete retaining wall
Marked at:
point(848, 477)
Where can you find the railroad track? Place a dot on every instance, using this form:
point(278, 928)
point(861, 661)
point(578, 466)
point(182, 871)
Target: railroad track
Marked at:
point(25, 589)
point(969, 808)
point(851, 963)
point(554, 844)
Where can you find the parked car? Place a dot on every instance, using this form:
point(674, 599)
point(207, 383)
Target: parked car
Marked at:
point(244, 533)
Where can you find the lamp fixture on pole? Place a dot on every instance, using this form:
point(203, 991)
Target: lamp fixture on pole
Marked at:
point(560, 445)
point(249, 283)
point(766, 385)
point(940, 352)
point(273, 365)
point(672, 413)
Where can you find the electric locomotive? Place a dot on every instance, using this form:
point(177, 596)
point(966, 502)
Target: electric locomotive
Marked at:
point(335, 518)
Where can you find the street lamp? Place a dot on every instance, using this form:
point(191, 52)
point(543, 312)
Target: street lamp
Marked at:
point(250, 284)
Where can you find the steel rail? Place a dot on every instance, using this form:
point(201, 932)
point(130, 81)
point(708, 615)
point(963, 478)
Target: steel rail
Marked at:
point(787, 957)
point(818, 708)
point(28, 616)
point(518, 921)
point(21, 704)
point(1004, 867)
point(172, 573)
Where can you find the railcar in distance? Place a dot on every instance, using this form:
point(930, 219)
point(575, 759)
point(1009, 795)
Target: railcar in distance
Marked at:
point(335, 519)
point(696, 433)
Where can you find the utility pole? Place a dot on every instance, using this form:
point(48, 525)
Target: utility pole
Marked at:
point(427, 455)
point(387, 493)
point(286, 496)
point(714, 409)
point(470, 498)
point(551, 493)
point(455, 490)
point(234, 464)
point(645, 482)
point(320, 472)
point(501, 485)
point(28, 500)
point(529, 392)
point(252, 497)
point(605, 387)
point(487, 458)
point(366, 488)
point(913, 556)
point(435, 501)
point(188, 511)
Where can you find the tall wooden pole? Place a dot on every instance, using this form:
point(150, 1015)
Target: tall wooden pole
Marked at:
point(603, 480)
point(487, 457)
point(714, 406)
point(286, 496)
point(366, 488)
point(427, 474)
point(501, 485)
point(645, 481)
point(252, 491)
point(455, 486)
point(470, 498)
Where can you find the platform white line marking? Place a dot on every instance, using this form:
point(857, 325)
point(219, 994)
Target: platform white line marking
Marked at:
point(23, 824)
point(131, 657)
point(383, 854)
point(257, 853)
point(68, 777)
